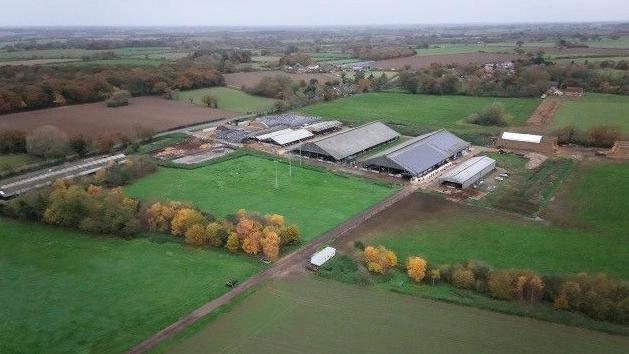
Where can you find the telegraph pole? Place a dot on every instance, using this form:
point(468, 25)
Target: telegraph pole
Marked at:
point(276, 184)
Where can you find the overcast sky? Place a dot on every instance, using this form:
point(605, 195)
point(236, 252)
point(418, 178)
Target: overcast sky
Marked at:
point(303, 12)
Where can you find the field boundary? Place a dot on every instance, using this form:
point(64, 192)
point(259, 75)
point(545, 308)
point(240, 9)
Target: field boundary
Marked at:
point(280, 266)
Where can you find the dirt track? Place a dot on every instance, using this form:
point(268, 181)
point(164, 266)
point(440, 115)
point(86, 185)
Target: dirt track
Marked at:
point(545, 112)
point(285, 263)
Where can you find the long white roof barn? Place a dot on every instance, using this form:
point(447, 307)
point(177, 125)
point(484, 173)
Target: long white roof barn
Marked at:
point(420, 154)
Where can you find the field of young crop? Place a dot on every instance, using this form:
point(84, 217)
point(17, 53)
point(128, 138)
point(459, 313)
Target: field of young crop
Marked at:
point(68, 292)
point(413, 114)
point(229, 99)
point(464, 48)
point(594, 109)
point(314, 199)
point(322, 316)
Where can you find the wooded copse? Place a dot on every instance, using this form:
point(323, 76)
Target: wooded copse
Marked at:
point(35, 87)
point(596, 295)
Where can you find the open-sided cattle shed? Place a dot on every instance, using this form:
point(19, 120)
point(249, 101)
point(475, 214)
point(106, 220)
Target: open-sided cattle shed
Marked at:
point(468, 172)
point(420, 155)
point(346, 145)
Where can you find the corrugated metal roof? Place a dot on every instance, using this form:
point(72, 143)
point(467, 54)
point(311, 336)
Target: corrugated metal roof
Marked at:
point(288, 119)
point(353, 141)
point(291, 136)
point(322, 126)
point(527, 138)
point(421, 153)
point(468, 169)
point(273, 134)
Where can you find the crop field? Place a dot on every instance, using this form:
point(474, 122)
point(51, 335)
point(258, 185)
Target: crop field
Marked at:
point(594, 109)
point(313, 199)
point(526, 191)
point(229, 99)
point(122, 61)
point(591, 59)
point(447, 232)
point(68, 292)
point(413, 114)
point(329, 56)
point(323, 316)
point(250, 79)
point(94, 119)
point(424, 61)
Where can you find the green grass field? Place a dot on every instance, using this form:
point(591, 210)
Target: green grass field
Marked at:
point(229, 99)
point(9, 162)
point(313, 199)
point(419, 113)
point(594, 109)
point(323, 316)
point(78, 53)
point(595, 198)
point(68, 292)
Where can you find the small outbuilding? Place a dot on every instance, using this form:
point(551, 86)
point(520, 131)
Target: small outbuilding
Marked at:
point(527, 142)
point(319, 258)
point(468, 172)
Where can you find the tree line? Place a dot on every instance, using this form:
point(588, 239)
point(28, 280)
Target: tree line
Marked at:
point(35, 87)
point(597, 296)
point(523, 80)
point(381, 53)
point(98, 204)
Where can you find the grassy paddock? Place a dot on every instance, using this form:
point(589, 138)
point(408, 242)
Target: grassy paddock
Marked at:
point(314, 315)
point(414, 114)
point(229, 99)
point(9, 162)
point(594, 109)
point(315, 199)
point(68, 292)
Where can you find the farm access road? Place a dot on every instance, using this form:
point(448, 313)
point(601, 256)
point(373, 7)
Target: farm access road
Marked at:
point(287, 262)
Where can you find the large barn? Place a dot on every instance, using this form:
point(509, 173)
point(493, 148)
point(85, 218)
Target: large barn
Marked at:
point(420, 155)
point(346, 145)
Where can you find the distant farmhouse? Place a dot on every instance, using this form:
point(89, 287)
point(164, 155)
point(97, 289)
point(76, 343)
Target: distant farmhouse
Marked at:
point(420, 155)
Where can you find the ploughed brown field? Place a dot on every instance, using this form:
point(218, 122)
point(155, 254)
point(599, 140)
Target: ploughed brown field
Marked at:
point(96, 119)
point(424, 61)
point(250, 79)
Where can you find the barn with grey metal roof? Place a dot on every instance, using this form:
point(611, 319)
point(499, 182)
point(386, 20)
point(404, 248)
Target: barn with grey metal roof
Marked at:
point(419, 155)
point(346, 145)
point(468, 172)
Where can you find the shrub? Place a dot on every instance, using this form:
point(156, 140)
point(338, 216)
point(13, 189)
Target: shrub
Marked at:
point(12, 141)
point(463, 278)
point(492, 115)
point(197, 235)
point(379, 259)
point(500, 285)
point(118, 99)
point(47, 142)
point(358, 244)
point(416, 268)
point(184, 219)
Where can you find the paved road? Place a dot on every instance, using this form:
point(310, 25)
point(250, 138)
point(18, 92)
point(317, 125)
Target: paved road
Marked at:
point(301, 256)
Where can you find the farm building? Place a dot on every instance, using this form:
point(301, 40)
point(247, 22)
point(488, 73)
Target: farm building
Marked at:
point(346, 145)
point(289, 120)
point(574, 91)
point(420, 155)
point(468, 172)
point(24, 183)
point(324, 127)
point(319, 258)
point(232, 135)
point(527, 142)
point(361, 65)
point(290, 136)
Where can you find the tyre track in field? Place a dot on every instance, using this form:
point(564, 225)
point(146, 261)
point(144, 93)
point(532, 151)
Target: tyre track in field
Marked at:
point(285, 263)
